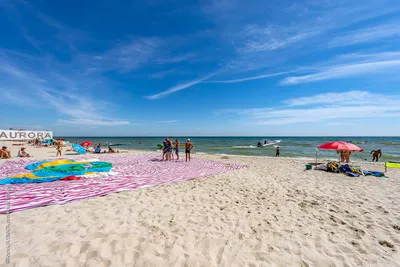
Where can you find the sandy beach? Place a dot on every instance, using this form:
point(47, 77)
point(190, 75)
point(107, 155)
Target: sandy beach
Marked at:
point(272, 213)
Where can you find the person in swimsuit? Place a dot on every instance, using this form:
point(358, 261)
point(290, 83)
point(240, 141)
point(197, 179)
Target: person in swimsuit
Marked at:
point(59, 149)
point(5, 153)
point(188, 147)
point(177, 144)
point(171, 148)
point(376, 154)
point(277, 152)
point(165, 149)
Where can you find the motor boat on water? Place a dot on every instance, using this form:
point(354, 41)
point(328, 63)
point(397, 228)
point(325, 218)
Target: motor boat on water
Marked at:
point(265, 143)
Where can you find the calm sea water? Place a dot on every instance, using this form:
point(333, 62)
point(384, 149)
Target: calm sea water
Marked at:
point(289, 146)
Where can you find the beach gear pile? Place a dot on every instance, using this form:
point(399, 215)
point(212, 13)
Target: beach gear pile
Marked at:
point(353, 171)
point(65, 169)
point(128, 172)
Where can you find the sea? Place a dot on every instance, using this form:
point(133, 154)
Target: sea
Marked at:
point(295, 147)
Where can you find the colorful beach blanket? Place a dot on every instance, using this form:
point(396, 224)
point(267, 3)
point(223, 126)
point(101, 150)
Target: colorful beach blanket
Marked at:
point(128, 172)
point(50, 171)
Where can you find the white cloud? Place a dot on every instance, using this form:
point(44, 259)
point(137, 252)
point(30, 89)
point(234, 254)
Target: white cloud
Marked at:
point(90, 122)
point(324, 108)
point(366, 35)
point(343, 71)
point(251, 78)
point(124, 57)
point(180, 87)
point(356, 97)
point(166, 122)
point(60, 93)
point(176, 59)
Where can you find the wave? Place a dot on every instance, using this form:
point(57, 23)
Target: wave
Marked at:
point(244, 147)
point(390, 143)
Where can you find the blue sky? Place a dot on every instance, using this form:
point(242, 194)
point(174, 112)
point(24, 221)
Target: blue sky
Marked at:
point(156, 67)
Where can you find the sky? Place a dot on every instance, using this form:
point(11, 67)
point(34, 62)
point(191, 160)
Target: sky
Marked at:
point(218, 67)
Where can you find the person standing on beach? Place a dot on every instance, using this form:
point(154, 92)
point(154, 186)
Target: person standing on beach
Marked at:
point(59, 149)
point(164, 149)
point(171, 148)
point(376, 154)
point(277, 151)
point(177, 144)
point(346, 155)
point(188, 147)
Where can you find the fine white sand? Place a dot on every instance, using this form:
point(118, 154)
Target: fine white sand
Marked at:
point(271, 214)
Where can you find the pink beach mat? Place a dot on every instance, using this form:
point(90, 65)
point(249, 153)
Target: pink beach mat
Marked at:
point(128, 172)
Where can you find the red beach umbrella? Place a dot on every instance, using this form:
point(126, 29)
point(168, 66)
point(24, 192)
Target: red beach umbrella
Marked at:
point(86, 143)
point(340, 146)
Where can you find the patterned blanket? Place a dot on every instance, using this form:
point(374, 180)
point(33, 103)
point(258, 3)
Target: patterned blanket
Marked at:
point(128, 172)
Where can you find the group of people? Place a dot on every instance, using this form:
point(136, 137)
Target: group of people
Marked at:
point(169, 147)
point(345, 155)
point(97, 149)
point(5, 153)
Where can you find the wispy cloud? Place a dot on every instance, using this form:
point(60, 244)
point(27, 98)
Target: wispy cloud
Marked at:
point(352, 105)
point(344, 71)
point(60, 93)
point(272, 38)
point(180, 87)
point(366, 35)
point(89, 122)
point(167, 122)
point(124, 57)
point(251, 78)
point(176, 59)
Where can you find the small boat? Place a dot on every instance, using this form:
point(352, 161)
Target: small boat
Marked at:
point(265, 143)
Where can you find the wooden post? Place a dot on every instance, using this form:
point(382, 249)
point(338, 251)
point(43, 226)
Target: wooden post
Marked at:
point(385, 167)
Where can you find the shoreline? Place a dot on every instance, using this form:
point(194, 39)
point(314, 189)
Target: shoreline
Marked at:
point(271, 213)
point(41, 153)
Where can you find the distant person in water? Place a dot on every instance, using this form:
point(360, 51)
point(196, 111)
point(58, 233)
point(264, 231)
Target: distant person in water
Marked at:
point(376, 154)
point(277, 152)
point(188, 148)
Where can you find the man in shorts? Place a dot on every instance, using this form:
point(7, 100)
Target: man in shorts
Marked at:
point(188, 147)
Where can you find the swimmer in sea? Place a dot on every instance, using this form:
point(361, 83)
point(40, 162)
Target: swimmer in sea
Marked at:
point(376, 154)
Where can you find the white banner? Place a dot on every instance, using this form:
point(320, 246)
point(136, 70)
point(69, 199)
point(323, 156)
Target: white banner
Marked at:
point(25, 135)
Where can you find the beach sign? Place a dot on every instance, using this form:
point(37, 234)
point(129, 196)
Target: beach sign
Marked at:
point(24, 135)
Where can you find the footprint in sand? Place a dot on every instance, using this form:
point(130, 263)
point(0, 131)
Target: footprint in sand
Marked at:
point(387, 244)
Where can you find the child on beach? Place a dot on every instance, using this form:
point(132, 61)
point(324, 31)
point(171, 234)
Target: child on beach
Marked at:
point(22, 153)
point(59, 149)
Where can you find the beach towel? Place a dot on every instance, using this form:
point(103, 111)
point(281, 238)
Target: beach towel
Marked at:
point(50, 171)
point(129, 172)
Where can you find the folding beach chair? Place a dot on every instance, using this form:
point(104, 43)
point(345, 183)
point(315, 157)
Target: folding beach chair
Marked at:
point(391, 164)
